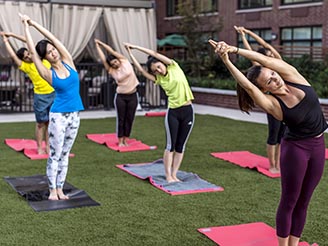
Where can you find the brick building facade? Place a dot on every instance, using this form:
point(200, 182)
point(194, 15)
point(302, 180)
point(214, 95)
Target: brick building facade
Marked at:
point(277, 18)
point(274, 18)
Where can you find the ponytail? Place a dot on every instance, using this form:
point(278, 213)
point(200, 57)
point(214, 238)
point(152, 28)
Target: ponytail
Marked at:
point(246, 103)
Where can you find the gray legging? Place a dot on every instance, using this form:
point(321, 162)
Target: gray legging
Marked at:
point(302, 165)
point(63, 129)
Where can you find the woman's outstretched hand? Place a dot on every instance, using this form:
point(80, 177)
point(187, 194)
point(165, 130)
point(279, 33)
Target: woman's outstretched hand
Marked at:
point(222, 49)
point(128, 45)
point(25, 19)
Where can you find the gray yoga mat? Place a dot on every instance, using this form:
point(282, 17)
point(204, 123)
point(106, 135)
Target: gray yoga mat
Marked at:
point(190, 182)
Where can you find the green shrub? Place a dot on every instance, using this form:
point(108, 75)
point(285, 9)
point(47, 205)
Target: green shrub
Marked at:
point(216, 83)
point(214, 73)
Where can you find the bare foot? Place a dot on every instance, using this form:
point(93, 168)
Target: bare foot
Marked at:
point(53, 195)
point(274, 170)
point(61, 195)
point(121, 145)
point(41, 151)
point(176, 179)
point(170, 180)
point(124, 141)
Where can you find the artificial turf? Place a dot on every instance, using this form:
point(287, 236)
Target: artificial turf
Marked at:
point(132, 211)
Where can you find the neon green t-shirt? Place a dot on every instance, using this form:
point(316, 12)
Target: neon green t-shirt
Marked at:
point(40, 86)
point(175, 85)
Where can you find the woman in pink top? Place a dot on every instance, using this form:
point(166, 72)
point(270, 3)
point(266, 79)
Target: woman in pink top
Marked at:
point(126, 97)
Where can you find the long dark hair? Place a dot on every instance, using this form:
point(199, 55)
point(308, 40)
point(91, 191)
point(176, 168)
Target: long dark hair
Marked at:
point(109, 58)
point(263, 51)
point(41, 47)
point(246, 103)
point(20, 53)
point(151, 60)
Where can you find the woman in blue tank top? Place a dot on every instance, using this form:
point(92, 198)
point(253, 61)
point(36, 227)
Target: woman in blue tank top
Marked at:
point(64, 113)
point(280, 90)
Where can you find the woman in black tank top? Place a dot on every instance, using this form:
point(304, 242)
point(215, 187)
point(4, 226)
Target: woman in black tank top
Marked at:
point(303, 148)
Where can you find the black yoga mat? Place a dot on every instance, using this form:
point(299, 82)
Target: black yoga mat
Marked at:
point(35, 190)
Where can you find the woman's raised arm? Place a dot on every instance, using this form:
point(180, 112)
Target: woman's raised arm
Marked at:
point(137, 64)
point(262, 100)
point(44, 72)
point(65, 55)
point(160, 57)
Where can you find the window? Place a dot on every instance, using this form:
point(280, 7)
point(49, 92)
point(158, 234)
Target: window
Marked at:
point(172, 7)
point(248, 4)
point(202, 6)
point(206, 6)
point(298, 1)
point(301, 40)
point(311, 36)
point(266, 34)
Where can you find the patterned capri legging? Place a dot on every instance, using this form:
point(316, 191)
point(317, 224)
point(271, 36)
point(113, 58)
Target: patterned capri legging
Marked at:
point(63, 129)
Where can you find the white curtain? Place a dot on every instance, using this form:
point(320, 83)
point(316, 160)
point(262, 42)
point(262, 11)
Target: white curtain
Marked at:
point(100, 33)
point(136, 26)
point(10, 21)
point(74, 25)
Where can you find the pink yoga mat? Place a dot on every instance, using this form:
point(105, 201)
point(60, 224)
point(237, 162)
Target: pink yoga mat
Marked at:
point(111, 141)
point(248, 160)
point(155, 114)
point(252, 234)
point(29, 148)
point(326, 154)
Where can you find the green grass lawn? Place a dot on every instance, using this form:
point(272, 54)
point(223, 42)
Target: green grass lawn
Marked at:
point(132, 211)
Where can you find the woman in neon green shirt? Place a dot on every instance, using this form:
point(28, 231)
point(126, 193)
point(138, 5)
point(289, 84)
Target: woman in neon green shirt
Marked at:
point(179, 119)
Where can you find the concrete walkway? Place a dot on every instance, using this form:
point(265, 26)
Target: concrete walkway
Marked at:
point(235, 114)
point(199, 109)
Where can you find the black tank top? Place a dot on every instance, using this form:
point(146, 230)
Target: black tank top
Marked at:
point(305, 119)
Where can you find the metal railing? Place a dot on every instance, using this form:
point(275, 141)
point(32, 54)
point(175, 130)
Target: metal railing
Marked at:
point(97, 90)
point(315, 52)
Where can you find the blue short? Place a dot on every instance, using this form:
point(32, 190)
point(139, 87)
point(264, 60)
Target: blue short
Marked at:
point(42, 104)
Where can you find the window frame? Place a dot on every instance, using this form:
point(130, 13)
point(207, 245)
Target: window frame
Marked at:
point(265, 5)
point(251, 41)
point(172, 7)
point(293, 41)
point(283, 2)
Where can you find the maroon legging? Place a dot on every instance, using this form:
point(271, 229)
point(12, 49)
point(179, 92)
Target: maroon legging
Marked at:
point(302, 165)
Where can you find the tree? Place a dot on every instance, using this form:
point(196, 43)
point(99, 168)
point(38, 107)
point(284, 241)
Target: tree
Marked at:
point(192, 25)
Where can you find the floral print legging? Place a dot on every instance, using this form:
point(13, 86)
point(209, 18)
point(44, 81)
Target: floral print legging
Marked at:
point(63, 129)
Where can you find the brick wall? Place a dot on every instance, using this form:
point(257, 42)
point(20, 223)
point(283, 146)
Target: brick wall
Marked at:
point(228, 99)
point(275, 17)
